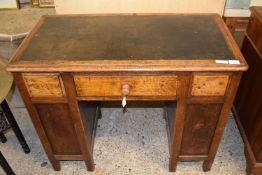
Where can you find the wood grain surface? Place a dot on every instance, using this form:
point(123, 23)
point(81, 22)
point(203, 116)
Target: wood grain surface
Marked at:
point(63, 72)
point(209, 85)
point(248, 102)
point(44, 85)
point(111, 86)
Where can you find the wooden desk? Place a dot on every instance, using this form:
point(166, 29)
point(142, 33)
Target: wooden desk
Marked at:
point(69, 63)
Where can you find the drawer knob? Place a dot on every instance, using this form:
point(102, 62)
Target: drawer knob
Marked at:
point(125, 89)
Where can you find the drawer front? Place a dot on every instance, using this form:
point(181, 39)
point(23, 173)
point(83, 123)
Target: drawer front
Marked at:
point(139, 86)
point(209, 85)
point(44, 85)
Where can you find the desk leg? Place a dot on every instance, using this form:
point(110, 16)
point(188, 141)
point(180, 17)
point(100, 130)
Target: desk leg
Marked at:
point(177, 121)
point(224, 114)
point(83, 139)
point(36, 120)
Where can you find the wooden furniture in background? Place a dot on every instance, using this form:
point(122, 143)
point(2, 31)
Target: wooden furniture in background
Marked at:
point(43, 3)
point(236, 24)
point(248, 102)
point(237, 27)
point(63, 72)
point(236, 16)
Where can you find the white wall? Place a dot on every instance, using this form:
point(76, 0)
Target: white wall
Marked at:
point(139, 6)
point(256, 3)
point(8, 4)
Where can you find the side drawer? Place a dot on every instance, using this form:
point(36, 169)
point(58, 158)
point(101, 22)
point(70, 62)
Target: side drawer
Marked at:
point(44, 85)
point(140, 86)
point(209, 85)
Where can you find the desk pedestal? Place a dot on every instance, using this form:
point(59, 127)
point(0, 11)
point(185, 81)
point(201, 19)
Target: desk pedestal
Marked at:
point(65, 118)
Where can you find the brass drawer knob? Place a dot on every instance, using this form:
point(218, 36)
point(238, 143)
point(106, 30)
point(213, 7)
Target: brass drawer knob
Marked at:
point(125, 89)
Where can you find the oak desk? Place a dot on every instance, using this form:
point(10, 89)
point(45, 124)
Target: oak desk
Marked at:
point(68, 64)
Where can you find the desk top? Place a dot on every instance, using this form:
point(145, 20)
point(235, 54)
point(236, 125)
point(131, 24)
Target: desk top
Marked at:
point(128, 37)
point(85, 40)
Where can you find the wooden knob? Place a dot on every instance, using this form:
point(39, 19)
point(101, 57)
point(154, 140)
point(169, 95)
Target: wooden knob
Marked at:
point(125, 89)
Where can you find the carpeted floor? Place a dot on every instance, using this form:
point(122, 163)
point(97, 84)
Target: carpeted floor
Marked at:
point(130, 143)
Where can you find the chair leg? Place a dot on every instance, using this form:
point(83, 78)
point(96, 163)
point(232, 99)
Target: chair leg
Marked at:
point(4, 164)
point(10, 118)
point(2, 137)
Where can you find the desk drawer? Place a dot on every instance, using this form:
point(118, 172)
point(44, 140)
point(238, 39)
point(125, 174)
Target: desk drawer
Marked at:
point(44, 85)
point(133, 86)
point(209, 85)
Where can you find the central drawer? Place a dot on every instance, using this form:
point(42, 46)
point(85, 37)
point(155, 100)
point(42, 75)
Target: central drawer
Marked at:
point(158, 87)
